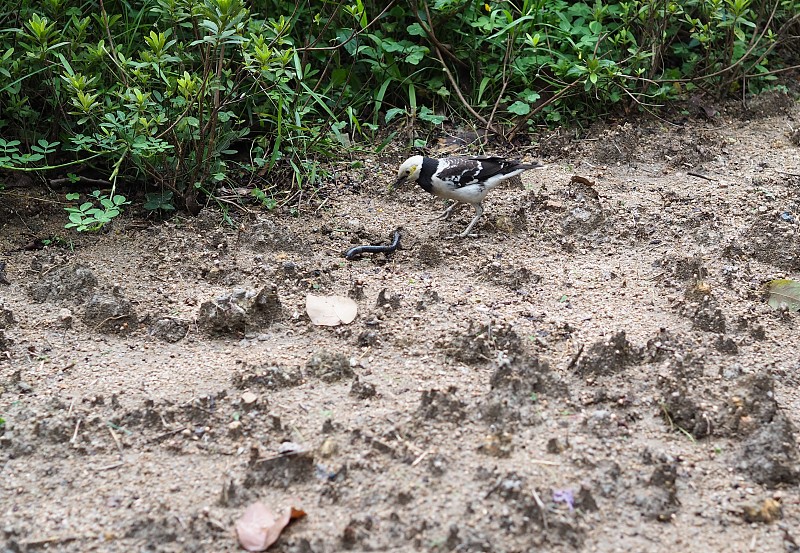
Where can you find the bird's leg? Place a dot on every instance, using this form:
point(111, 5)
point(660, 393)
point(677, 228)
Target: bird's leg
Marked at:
point(478, 213)
point(444, 215)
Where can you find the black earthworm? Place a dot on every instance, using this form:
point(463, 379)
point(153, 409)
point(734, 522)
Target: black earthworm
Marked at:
point(352, 253)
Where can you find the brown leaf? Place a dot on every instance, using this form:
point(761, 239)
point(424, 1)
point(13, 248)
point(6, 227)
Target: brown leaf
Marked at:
point(294, 514)
point(259, 526)
point(330, 310)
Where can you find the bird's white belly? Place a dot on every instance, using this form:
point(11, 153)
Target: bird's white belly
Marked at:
point(470, 194)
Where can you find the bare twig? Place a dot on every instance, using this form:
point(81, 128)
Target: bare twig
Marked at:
point(107, 319)
point(541, 506)
point(428, 28)
point(773, 72)
point(698, 175)
point(505, 80)
point(460, 95)
point(108, 467)
point(439, 48)
point(352, 36)
point(727, 68)
point(575, 358)
point(116, 439)
point(113, 51)
point(53, 540)
point(537, 109)
point(543, 462)
point(167, 434)
point(75, 434)
point(419, 459)
point(82, 180)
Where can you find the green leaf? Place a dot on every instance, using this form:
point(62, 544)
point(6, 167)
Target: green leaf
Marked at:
point(784, 292)
point(415, 29)
point(482, 87)
point(425, 114)
point(416, 56)
point(73, 196)
point(520, 108)
point(530, 96)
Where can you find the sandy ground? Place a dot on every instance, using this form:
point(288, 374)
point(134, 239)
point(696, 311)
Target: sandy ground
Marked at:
point(597, 370)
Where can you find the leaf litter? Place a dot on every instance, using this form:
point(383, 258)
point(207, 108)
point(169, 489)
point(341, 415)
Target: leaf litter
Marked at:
point(260, 526)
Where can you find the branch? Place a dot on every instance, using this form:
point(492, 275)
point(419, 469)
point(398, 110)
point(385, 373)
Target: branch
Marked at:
point(453, 82)
point(432, 36)
point(113, 52)
point(82, 180)
point(355, 33)
point(505, 81)
point(537, 109)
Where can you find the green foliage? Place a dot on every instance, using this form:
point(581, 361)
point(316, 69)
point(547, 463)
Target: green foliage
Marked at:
point(95, 213)
point(159, 201)
point(178, 93)
point(267, 201)
point(11, 157)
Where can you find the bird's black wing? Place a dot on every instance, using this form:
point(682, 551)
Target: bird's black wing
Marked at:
point(462, 171)
point(494, 165)
point(502, 165)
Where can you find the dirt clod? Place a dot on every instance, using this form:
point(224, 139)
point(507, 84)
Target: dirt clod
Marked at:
point(240, 311)
point(499, 444)
point(769, 456)
point(659, 499)
point(280, 471)
point(429, 254)
point(73, 283)
point(516, 383)
point(170, 329)
point(7, 319)
point(480, 342)
point(329, 367)
point(362, 390)
point(767, 512)
point(271, 377)
point(110, 312)
point(609, 356)
point(438, 405)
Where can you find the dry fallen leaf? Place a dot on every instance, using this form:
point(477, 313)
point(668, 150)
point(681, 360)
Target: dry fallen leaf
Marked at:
point(259, 526)
point(331, 310)
point(784, 292)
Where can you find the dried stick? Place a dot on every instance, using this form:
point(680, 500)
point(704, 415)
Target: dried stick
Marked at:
point(505, 81)
point(428, 28)
point(537, 109)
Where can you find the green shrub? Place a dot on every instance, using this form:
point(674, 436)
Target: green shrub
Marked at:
point(185, 94)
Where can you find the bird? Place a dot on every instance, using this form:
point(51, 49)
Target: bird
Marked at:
point(466, 180)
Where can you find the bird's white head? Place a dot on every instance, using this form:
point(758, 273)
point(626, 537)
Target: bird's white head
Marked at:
point(409, 170)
